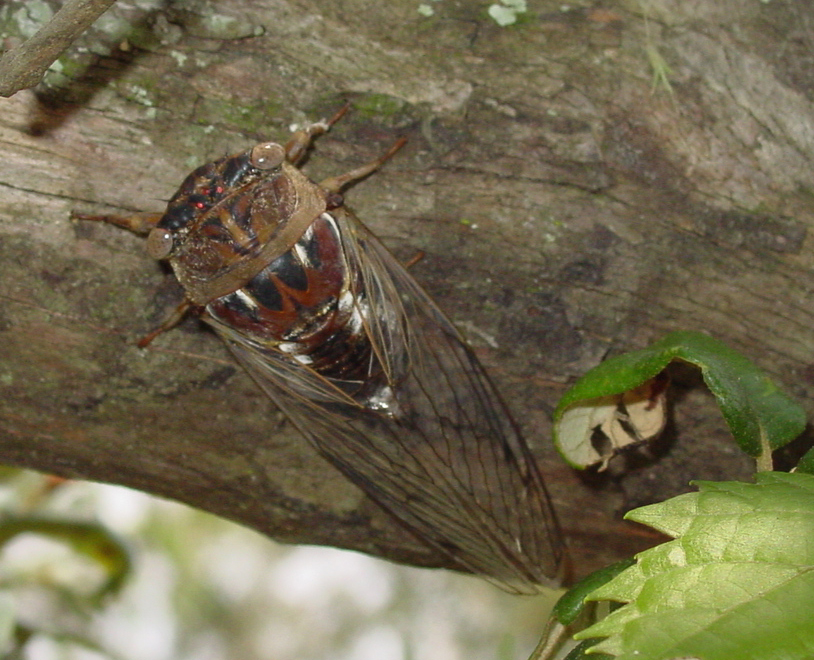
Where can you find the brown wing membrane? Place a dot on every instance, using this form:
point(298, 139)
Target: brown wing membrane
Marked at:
point(445, 458)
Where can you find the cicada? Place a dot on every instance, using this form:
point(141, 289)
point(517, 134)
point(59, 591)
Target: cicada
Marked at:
point(356, 355)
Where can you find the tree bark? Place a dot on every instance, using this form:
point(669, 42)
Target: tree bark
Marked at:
point(581, 183)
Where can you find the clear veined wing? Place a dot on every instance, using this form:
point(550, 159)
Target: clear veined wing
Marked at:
point(444, 458)
point(489, 473)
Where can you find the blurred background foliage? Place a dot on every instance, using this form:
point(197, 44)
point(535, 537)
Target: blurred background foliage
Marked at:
point(91, 571)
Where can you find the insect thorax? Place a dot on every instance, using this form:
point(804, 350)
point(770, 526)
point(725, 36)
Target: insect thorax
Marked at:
point(310, 306)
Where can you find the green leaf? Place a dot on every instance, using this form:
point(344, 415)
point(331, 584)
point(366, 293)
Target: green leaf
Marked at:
point(87, 538)
point(760, 416)
point(579, 652)
point(572, 602)
point(806, 463)
point(737, 582)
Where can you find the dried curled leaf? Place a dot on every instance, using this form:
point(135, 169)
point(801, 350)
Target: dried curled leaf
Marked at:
point(760, 415)
point(600, 428)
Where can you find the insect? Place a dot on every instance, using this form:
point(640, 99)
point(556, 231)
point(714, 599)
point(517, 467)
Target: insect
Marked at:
point(356, 354)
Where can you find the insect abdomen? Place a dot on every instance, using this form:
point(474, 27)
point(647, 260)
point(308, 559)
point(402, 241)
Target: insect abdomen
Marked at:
point(305, 305)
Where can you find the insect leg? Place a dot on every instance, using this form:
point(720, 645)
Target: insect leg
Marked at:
point(169, 323)
point(412, 261)
point(138, 223)
point(141, 223)
point(336, 183)
point(299, 142)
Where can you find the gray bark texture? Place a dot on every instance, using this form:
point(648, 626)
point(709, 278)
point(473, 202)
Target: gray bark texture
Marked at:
point(580, 182)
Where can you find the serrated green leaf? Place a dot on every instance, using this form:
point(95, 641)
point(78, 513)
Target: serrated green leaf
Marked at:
point(579, 652)
point(760, 416)
point(737, 582)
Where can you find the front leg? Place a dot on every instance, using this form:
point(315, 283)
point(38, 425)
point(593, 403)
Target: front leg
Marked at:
point(298, 143)
point(142, 224)
point(138, 223)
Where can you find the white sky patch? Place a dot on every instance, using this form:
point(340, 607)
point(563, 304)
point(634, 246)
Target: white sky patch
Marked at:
point(316, 576)
point(377, 643)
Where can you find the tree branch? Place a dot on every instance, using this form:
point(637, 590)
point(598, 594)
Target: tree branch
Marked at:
point(566, 211)
point(24, 65)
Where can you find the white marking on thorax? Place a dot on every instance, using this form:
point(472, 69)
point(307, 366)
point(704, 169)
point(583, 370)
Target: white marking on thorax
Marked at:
point(291, 348)
point(302, 255)
point(246, 299)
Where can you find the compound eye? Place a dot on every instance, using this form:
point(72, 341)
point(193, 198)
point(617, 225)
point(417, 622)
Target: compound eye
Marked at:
point(159, 243)
point(267, 156)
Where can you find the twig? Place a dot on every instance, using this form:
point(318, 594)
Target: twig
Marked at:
point(24, 66)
